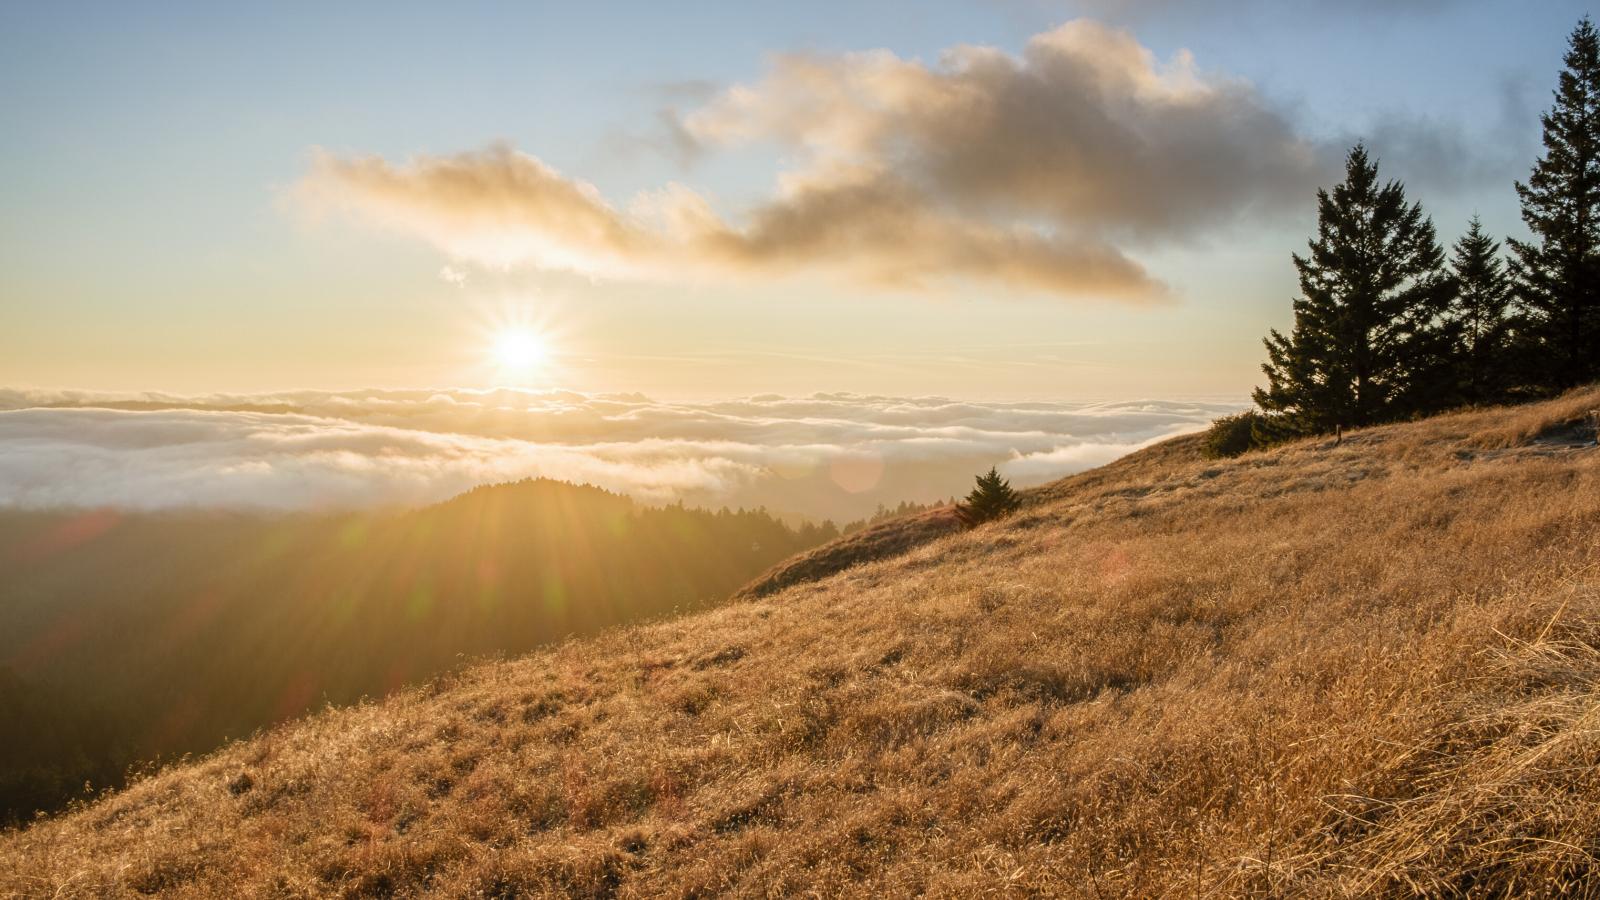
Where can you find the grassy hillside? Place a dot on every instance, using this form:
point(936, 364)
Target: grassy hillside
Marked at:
point(881, 540)
point(1322, 670)
point(129, 637)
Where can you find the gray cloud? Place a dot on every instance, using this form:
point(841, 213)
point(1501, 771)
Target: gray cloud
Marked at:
point(1086, 130)
point(1425, 150)
point(833, 455)
point(1035, 172)
point(1439, 155)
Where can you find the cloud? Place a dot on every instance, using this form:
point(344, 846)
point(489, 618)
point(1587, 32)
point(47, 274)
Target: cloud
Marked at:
point(503, 208)
point(1045, 465)
point(1086, 130)
point(827, 455)
point(1436, 154)
point(1036, 172)
point(187, 458)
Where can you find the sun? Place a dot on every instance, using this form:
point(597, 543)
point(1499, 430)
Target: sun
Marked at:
point(520, 350)
point(519, 344)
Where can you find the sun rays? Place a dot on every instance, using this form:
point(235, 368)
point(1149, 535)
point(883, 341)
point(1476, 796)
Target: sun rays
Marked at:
point(520, 347)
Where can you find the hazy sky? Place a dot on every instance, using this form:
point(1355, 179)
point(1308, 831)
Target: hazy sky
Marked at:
point(978, 199)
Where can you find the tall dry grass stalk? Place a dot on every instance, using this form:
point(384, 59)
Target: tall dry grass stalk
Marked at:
point(1322, 671)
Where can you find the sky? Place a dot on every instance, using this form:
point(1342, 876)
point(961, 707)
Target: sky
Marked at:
point(1000, 200)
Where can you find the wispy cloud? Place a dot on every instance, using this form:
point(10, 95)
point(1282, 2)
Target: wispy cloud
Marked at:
point(834, 455)
point(1035, 172)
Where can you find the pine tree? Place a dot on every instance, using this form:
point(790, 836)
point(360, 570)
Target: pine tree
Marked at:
point(1479, 313)
point(991, 499)
point(1368, 343)
point(1557, 295)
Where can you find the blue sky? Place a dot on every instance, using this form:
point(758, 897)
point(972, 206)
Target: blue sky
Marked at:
point(149, 237)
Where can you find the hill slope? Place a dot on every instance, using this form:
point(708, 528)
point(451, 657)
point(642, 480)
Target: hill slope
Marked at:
point(882, 540)
point(1328, 670)
point(127, 637)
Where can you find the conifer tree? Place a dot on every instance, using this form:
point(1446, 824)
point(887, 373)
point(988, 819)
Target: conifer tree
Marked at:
point(1557, 271)
point(1368, 342)
point(991, 499)
point(1483, 293)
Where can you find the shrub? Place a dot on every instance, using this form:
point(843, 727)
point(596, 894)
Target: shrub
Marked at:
point(1236, 434)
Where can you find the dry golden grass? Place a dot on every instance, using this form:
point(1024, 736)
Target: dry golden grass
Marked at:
point(1573, 417)
point(1322, 671)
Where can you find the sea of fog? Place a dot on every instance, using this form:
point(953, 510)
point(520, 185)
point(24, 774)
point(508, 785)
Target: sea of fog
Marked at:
point(823, 456)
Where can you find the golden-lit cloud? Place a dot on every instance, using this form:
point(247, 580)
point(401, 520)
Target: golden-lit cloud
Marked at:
point(502, 208)
point(1037, 172)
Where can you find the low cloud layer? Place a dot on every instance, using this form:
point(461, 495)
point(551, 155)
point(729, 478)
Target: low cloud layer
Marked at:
point(828, 455)
point(1035, 172)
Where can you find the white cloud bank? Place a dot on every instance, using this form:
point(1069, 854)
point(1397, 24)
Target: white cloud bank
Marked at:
point(828, 455)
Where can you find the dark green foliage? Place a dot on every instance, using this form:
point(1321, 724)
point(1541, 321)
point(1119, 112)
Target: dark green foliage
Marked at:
point(1479, 315)
point(158, 635)
point(991, 499)
point(1233, 435)
point(1558, 272)
point(1384, 332)
point(1368, 343)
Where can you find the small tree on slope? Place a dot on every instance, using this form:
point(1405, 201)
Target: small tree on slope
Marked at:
point(1368, 344)
point(991, 499)
point(1558, 272)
